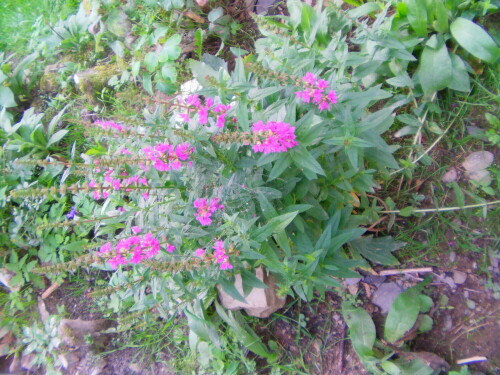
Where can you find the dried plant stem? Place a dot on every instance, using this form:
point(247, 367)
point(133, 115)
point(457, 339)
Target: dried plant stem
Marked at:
point(50, 290)
point(443, 209)
point(408, 270)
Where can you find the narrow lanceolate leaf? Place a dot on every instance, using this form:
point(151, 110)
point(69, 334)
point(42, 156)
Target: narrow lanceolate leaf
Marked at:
point(435, 67)
point(274, 225)
point(475, 40)
point(361, 328)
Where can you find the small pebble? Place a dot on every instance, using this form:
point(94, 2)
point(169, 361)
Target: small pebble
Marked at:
point(466, 294)
point(448, 323)
point(453, 256)
point(459, 277)
point(471, 304)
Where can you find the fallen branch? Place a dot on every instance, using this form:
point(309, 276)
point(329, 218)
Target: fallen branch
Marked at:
point(476, 358)
point(408, 270)
point(50, 290)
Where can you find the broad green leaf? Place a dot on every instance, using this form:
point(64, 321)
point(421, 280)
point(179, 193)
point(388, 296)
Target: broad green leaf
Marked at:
point(417, 16)
point(168, 72)
point(475, 40)
point(279, 167)
point(378, 250)
point(7, 97)
point(215, 14)
point(402, 315)
point(435, 67)
point(401, 80)
point(361, 328)
point(459, 75)
point(425, 324)
point(171, 50)
point(425, 303)
point(151, 61)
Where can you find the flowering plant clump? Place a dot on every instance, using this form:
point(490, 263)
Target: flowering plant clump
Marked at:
point(287, 186)
point(315, 93)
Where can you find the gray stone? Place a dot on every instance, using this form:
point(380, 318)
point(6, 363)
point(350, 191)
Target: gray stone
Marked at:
point(450, 176)
point(447, 323)
point(478, 160)
point(459, 277)
point(385, 296)
point(471, 304)
point(262, 6)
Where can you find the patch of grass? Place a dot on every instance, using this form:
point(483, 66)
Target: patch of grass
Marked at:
point(21, 17)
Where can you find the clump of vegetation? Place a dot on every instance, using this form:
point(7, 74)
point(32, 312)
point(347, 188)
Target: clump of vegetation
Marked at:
point(179, 191)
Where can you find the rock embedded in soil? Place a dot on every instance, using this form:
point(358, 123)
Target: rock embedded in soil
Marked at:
point(385, 296)
point(260, 302)
point(459, 277)
point(450, 176)
point(72, 332)
point(475, 166)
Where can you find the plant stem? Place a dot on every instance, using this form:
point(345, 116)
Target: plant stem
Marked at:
point(442, 209)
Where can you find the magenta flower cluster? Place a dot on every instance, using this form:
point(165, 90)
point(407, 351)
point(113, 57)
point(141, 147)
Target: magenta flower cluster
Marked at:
point(315, 93)
point(117, 184)
point(273, 137)
point(206, 208)
point(194, 104)
point(220, 256)
point(165, 157)
point(110, 125)
point(134, 249)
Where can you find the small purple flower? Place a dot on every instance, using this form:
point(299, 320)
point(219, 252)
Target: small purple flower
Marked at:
point(72, 213)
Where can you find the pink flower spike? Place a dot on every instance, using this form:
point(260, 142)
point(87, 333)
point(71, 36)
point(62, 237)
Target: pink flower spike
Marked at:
point(323, 106)
point(116, 184)
point(332, 97)
point(105, 248)
point(136, 229)
point(219, 246)
point(321, 84)
point(199, 253)
point(309, 78)
point(171, 248)
point(184, 117)
point(226, 266)
point(193, 100)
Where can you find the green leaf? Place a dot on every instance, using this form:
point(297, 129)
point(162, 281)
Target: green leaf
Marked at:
point(151, 61)
point(417, 16)
point(407, 211)
point(171, 50)
point(401, 80)
point(215, 14)
point(238, 52)
point(303, 159)
point(441, 22)
point(425, 303)
point(459, 75)
point(425, 324)
point(362, 330)
point(378, 250)
point(7, 97)
point(402, 315)
point(475, 40)
point(243, 333)
point(229, 288)
point(435, 67)
point(363, 10)
point(147, 84)
point(275, 225)
point(57, 137)
point(168, 72)
point(279, 167)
